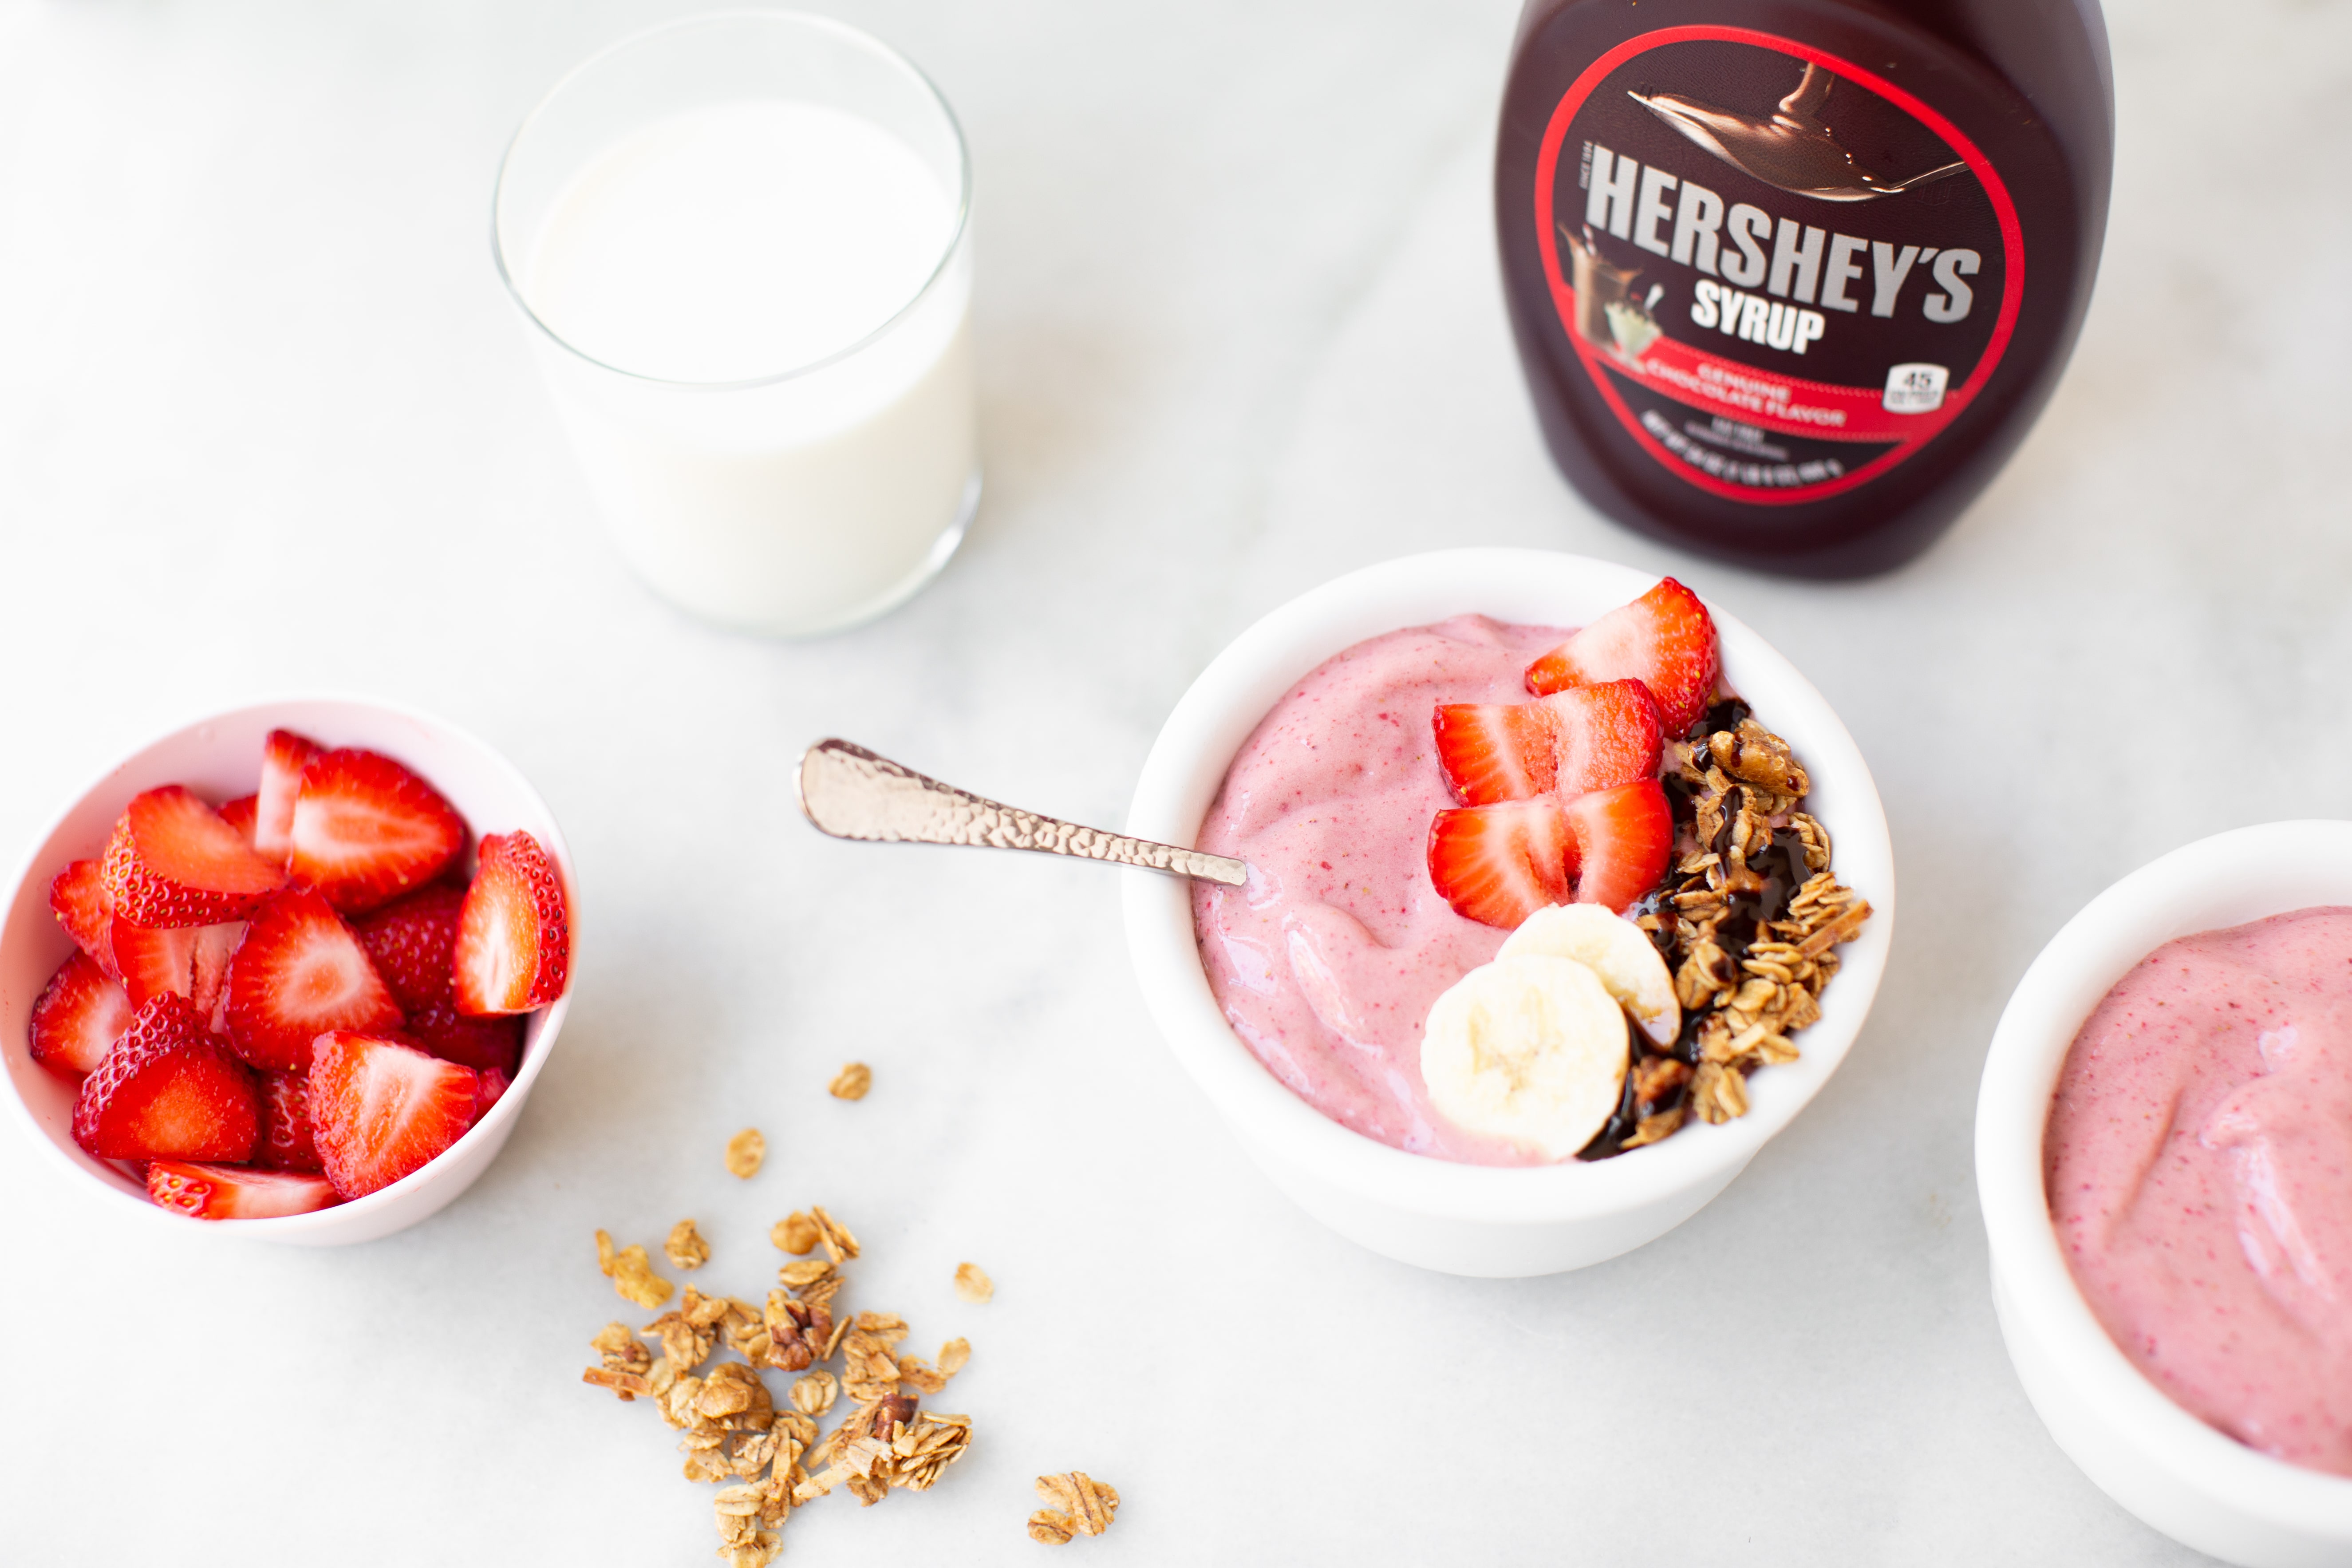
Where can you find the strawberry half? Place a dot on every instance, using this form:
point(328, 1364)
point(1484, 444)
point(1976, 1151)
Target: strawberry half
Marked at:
point(299, 973)
point(285, 757)
point(167, 1091)
point(78, 898)
point(514, 933)
point(154, 961)
point(381, 1108)
point(173, 862)
point(232, 1192)
point(239, 813)
point(412, 944)
point(1623, 836)
point(208, 971)
point(1495, 750)
point(365, 829)
point(1608, 735)
point(1499, 864)
point(79, 1016)
point(287, 1140)
point(190, 960)
point(1664, 640)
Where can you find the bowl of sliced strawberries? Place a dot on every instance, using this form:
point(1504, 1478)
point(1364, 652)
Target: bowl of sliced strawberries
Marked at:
point(265, 973)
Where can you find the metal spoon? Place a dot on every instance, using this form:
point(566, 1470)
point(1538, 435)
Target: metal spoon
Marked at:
point(850, 793)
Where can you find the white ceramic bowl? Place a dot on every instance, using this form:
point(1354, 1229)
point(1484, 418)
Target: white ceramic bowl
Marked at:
point(220, 758)
point(2180, 1476)
point(1459, 1218)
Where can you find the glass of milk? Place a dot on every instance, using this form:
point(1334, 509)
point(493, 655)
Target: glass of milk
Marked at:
point(742, 246)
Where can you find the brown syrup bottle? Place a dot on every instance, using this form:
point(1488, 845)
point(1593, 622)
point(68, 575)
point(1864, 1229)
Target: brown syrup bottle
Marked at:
point(1791, 278)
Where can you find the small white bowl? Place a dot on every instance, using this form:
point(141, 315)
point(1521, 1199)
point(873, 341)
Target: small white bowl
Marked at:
point(220, 758)
point(1439, 1214)
point(2178, 1474)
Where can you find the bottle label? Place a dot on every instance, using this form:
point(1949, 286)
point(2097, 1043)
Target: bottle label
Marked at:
point(1784, 273)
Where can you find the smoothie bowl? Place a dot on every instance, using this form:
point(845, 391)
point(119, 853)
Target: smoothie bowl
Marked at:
point(262, 979)
point(1370, 1124)
point(2162, 1139)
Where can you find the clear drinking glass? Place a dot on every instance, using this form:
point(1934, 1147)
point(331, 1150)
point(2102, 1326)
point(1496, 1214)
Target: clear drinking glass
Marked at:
point(754, 324)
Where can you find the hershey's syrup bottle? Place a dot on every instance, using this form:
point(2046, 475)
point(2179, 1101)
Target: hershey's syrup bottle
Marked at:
point(1791, 278)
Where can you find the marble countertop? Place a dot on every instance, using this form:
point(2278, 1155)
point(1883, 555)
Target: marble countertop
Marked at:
point(266, 424)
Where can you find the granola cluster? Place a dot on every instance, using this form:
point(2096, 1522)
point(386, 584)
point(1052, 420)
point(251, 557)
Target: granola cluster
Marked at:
point(770, 1460)
point(1081, 1505)
point(1747, 918)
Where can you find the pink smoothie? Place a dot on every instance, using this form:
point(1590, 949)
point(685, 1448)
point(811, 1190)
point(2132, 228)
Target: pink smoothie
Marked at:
point(2198, 1165)
point(1327, 960)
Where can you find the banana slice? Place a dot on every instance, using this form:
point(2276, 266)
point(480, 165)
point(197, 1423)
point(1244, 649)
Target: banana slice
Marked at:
point(1613, 947)
point(1532, 1050)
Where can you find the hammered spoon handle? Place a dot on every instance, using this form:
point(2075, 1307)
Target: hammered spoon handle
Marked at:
point(850, 793)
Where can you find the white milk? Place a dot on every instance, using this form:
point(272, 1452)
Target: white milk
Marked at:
point(773, 456)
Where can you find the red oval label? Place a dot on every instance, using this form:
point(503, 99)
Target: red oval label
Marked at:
point(1785, 274)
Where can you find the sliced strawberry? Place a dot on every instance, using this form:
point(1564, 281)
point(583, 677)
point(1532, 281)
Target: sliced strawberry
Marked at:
point(285, 757)
point(233, 1192)
point(241, 815)
point(1495, 750)
point(78, 898)
point(1664, 640)
point(365, 829)
point(1623, 836)
point(483, 1044)
point(514, 934)
point(173, 862)
point(154, 961)
point(492, 1089)
point(381, 1108)
point(208, 971)
point(413, 944)
point(79, 1017)
point(1499, 864)
point(1609, 735)
point(167, 1090)
point(287, 1140)
point(190, 960)
point(298, 972)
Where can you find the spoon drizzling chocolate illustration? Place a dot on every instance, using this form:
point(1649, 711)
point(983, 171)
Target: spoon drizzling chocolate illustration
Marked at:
point(1790, 149)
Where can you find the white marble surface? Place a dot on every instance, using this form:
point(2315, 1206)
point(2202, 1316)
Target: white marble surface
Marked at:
point(264, 425)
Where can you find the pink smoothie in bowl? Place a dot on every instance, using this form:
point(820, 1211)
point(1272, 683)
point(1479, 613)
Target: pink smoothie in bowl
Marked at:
point(2199, 1170)
point(1326, 964)
point(1414, 811)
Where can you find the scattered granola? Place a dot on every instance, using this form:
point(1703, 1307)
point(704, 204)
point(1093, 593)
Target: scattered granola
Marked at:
point(627, 1362)
point(1746, 918)
point(833, 1235)
point(1081, 1506)
point(632, 1272)
point(686, 1247)
point(851, 1082)
point(814, 1395)
point(745, 1151)
point(972, 1284)
point(732, 1430)
point(796, 1233)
